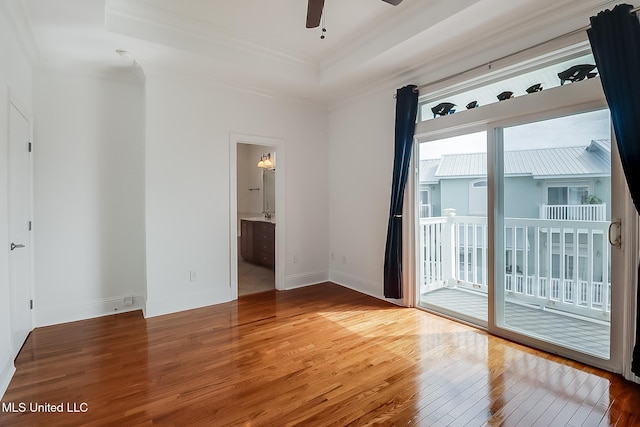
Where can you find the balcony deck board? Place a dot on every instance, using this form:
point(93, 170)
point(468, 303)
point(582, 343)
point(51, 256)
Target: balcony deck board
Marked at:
point(591, 337)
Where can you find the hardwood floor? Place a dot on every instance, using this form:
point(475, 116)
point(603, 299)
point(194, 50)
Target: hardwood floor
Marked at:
point(321, 355)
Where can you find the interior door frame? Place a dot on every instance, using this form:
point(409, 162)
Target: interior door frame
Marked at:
point(13, 101)
point(278, 145)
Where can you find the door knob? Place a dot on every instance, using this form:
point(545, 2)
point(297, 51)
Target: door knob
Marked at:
point(14, 246)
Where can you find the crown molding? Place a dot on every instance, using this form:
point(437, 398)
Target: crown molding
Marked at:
point(121, 16)
point(393, 29)
point(546, 24)
point(130, 75)
point(21, 27)
point(163, 72)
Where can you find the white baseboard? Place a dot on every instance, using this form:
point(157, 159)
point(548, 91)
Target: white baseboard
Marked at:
point(307, 279)
point(6, 372)
point(87, 310)
point(160, 306)
point(368, 288)
point(357, 284)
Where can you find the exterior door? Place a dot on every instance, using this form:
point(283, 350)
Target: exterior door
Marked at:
point(452, 239)
point(19, 225)
point(554, 261)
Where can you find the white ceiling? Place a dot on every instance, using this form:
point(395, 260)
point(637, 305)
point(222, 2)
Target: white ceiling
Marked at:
point(263, 45)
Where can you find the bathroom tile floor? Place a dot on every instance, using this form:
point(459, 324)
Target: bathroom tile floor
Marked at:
point(254, 278)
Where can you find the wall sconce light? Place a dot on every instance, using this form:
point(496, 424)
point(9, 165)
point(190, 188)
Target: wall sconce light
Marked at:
point(265, 161)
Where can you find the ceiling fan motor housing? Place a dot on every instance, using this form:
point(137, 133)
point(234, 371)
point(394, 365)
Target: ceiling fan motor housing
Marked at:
point(315, 7)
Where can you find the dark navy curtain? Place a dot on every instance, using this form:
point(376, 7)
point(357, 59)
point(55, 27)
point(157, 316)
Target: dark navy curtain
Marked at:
point(406, 109)
point(615, 41)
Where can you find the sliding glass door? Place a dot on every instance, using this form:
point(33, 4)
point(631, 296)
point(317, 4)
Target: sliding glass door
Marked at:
point(512, 230)
point(553, 263)
point(452, 229)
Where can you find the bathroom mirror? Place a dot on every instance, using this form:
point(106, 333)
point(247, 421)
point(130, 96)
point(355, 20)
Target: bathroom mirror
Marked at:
point(269, 191)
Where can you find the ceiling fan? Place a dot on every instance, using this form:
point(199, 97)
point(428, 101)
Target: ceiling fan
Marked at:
point(314, 11)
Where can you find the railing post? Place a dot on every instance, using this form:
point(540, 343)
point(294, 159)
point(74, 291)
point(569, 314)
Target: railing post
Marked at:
point(449, 256)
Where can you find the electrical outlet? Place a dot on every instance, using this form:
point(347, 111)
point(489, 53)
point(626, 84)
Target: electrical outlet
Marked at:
point(295, 259)
point(128, 301)
point(193, 276)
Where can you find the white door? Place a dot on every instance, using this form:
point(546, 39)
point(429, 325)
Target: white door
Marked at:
point(19, 225)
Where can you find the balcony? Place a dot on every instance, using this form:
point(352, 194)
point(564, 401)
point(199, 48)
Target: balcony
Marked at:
point(556, 270)
point(425, 210)
point(584, 335)
point(574, 212)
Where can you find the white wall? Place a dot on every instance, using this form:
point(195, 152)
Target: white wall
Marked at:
point(15, 75)
point(88, 195)
point(361, 136)
point(250, 176)
point(187, 188)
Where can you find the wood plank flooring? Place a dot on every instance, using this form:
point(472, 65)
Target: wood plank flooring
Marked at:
point(322, 355)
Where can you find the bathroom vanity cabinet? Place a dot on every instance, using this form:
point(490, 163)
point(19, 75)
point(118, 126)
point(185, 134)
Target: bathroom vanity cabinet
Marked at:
point(258, 242)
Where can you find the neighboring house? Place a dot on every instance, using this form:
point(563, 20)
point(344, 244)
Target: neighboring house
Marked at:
point(546, 191)
point(571, 183)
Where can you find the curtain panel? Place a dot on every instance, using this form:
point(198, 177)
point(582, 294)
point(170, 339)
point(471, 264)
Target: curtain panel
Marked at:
point(615, 41)
point(406, 110)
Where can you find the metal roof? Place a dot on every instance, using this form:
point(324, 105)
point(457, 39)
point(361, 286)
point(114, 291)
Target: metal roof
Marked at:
point(594, 160)
point(428, 170)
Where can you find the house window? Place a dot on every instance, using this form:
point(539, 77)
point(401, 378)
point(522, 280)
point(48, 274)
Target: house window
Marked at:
point(567, 194)
point(425, 201)
point(478, 197)
point(484, 90)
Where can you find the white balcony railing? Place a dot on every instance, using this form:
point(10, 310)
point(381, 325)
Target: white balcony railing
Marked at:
point(561, 267)
point(425, 210)
point(574, 212)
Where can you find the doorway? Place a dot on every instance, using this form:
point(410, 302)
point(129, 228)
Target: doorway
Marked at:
point(257, 214)
point(19, 225)
point(257, 218)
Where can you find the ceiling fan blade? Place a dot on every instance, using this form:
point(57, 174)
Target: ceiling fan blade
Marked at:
point(314, 13)
point(393, 2)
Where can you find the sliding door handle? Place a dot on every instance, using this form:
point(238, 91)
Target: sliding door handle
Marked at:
point(616, 241)
point(14, 246)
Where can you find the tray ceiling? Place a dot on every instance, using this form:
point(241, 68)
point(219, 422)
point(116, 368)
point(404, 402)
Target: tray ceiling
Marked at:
point(264, 46)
